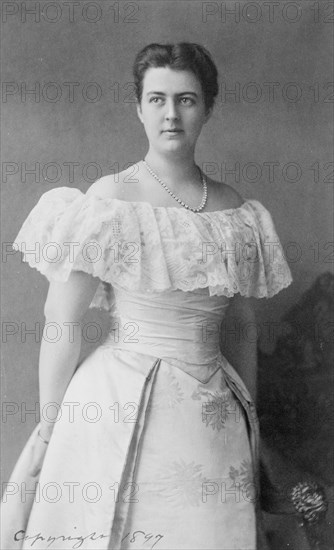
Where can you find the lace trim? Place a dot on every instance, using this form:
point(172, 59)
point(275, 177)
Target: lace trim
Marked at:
point(152, 249)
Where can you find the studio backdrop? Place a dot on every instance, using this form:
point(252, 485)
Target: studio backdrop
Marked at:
point(69, 117)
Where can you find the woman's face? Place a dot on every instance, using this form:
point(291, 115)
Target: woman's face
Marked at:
point(172, 100)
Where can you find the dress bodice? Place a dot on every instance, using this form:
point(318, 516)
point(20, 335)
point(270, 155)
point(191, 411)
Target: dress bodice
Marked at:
point(174, 325)
point(166, 273)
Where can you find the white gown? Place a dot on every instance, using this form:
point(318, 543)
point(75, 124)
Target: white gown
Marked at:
point(156, 443)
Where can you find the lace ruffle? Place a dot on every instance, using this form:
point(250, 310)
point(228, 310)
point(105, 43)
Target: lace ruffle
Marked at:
point(152, 249)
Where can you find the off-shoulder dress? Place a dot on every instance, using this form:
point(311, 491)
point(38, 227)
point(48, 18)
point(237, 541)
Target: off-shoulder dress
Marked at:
point(156, 442)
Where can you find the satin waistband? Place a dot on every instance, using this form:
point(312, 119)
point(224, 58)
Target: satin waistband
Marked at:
point(184, 326)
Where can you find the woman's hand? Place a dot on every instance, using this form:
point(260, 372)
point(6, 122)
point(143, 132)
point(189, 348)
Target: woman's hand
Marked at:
point(38, 454)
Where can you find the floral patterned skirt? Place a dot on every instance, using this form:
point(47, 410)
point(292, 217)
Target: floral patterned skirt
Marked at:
point(143, 456)
point(193, 476)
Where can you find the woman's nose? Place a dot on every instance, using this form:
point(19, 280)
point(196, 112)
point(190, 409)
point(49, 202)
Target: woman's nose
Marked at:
point(171, 110)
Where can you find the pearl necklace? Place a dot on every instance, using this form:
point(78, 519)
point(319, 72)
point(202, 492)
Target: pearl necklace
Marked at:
point(185, 205)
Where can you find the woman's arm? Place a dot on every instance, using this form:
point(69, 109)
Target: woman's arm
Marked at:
point(238, 340)
point(65, 307)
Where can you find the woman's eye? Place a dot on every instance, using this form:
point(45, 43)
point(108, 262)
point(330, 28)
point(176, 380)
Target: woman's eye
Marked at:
point(187, 100)
point(155, 99)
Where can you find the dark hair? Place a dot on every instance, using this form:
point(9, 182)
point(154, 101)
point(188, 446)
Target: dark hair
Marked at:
point(182, 56)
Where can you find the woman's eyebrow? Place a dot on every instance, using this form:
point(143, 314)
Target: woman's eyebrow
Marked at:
point(182, 93)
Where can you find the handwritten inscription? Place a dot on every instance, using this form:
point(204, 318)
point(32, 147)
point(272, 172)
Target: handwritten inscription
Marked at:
point(136, 536)
point(20, 535)
point(143, 538)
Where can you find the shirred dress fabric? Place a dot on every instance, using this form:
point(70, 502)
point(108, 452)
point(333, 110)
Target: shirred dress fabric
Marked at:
point(170, 459)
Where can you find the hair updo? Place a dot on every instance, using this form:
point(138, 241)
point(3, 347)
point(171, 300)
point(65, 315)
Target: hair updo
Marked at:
point(184, 56)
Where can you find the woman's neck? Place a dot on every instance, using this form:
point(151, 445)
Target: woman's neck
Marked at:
point(173, 168)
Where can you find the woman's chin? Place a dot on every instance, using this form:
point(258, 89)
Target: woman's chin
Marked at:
point(175, 145)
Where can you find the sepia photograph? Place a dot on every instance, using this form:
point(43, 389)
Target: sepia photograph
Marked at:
point(167, 171)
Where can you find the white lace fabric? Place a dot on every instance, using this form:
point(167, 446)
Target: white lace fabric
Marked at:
point(145, 248)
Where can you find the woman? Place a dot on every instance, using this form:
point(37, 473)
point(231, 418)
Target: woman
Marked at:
point(155, 445)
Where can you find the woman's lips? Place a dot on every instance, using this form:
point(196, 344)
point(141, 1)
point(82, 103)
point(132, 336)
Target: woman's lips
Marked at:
point(176, 131)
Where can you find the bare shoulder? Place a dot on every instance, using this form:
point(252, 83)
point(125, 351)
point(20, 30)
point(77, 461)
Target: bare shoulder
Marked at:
point(104, 187)
point(112, 185)
point(224, 195)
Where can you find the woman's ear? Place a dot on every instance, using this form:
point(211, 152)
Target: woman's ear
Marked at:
point(139, 113)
